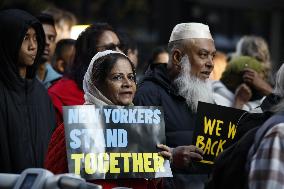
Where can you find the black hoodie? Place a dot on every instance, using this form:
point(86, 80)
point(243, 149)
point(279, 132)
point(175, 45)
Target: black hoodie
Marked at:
point(26, 113)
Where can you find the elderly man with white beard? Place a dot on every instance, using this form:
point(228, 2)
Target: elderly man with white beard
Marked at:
point(177, 87)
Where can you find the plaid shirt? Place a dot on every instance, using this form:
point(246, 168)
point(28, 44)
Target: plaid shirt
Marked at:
point(267, 164)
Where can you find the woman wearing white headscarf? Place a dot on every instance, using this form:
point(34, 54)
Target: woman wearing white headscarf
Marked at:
point(109, 80)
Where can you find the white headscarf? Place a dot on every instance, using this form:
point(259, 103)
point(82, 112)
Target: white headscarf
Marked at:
point(92, 94)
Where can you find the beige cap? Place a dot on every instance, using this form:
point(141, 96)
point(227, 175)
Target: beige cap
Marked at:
point(190, 31)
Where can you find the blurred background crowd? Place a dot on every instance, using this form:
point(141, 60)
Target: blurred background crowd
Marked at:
point(149, 23)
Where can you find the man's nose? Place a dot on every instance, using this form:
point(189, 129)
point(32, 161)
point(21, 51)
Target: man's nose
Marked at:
point(47, 41)
point(210, 62)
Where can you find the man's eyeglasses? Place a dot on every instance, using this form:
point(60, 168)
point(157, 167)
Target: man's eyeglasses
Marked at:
point(111, 46)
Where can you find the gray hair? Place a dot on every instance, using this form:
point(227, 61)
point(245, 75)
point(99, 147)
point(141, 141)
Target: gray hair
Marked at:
point(279, 107)
point(255, 47)
point(279, 82)
point(178, 44)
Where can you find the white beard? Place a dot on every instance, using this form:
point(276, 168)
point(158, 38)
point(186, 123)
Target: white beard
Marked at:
point(192, 88)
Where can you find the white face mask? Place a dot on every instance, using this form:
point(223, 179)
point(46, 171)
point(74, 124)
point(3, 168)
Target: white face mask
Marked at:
point(192, 88)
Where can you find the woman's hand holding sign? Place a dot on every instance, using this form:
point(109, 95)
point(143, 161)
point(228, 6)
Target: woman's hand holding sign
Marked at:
point(181, 156)
point(167, 151)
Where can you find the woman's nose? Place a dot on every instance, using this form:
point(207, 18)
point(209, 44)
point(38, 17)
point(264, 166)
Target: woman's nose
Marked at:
point(127, 82)
point(33, 44)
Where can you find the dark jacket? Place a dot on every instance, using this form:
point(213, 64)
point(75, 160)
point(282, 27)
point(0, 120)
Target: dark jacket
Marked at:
point(229, 169)
point(156, 90)
point(27, 117)
point(250, 120)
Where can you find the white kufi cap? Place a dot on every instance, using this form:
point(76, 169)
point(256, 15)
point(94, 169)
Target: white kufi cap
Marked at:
point(190, 31)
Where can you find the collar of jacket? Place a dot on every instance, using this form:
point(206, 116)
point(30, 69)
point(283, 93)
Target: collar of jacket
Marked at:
point(158, 73)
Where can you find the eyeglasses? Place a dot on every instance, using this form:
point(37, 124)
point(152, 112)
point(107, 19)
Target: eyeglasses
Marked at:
point(111, 46)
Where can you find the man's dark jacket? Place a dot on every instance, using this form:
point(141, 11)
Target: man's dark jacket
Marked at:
point(156, 90)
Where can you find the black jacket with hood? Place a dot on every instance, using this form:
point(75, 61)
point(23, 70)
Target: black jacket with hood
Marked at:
point(156, 90)
point(26, 114)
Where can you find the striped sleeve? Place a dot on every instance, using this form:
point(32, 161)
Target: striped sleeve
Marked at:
point(267, 165)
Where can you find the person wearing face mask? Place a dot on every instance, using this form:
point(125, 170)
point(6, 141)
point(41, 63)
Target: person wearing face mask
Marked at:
point(27, 117)
point(177, 87)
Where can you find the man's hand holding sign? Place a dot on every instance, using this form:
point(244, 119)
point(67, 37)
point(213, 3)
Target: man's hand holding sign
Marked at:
point(215, 130)
point(182, 156)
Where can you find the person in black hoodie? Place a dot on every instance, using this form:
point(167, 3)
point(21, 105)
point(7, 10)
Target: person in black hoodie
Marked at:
point(27, 117)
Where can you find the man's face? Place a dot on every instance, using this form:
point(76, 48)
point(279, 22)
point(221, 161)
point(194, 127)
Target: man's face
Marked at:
point(28, 49)
point(201, 53)
point(191, 87)
point(50, 44)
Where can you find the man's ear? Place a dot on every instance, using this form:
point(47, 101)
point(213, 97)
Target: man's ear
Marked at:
point(176, 57)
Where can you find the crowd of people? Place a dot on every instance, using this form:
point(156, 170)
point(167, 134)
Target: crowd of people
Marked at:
point(42, 70)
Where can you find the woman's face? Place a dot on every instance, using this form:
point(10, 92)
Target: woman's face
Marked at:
point(120, 86)
point(108, 41)
point(28, 50)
